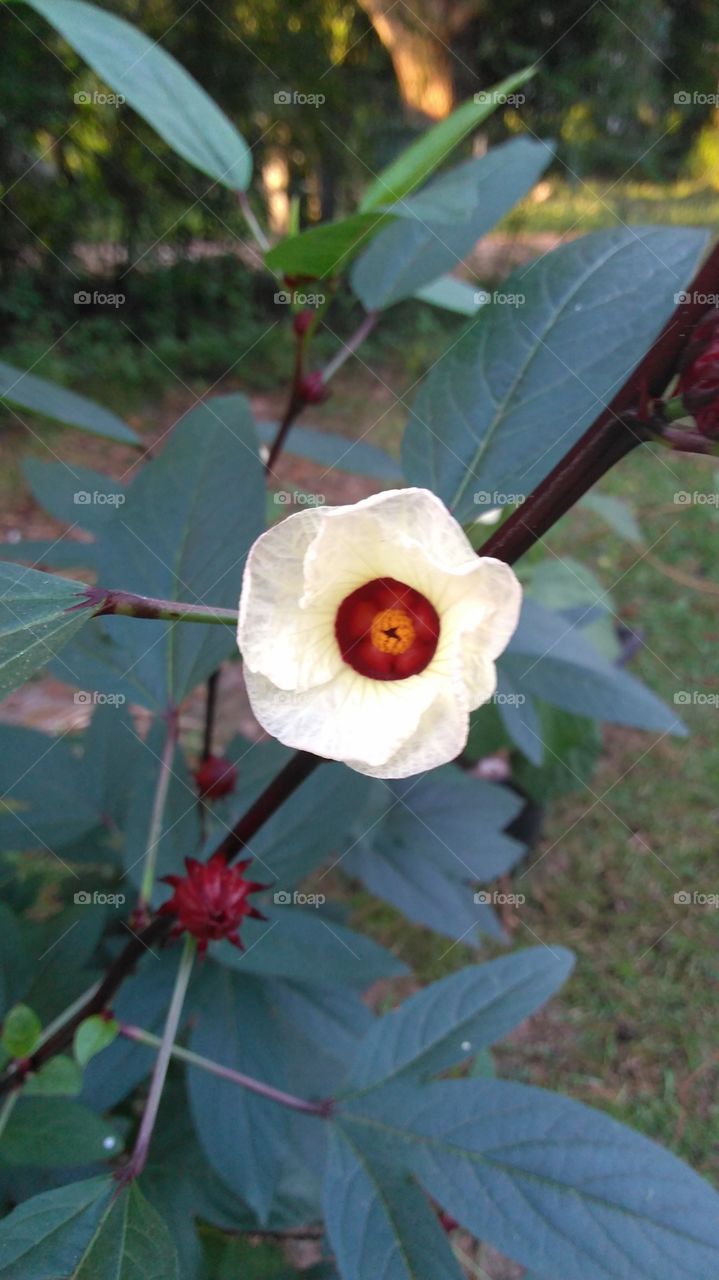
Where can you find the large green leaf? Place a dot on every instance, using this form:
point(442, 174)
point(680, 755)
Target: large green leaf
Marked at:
point(41, 783)
point(515, 393)
point(87, 1231)
point(336, 452)
point(325, 250)
point(35, 622)
point(14, 959)
point(452, 294)
point(379, 1222)
point(421, 842)
point(56, 1133)
point(418, 162)
point(156, 86)
point(56, 402)
point(189, 520)
point(557, 1186)
point(455, 1018)
point(446, 219)
point(74, 494)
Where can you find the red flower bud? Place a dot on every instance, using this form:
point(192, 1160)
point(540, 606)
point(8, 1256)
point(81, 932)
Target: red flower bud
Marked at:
point(210, 902)
point(312, 389)
point(447, 1221)
point(302, 321)
point(698, 384)
point(215, 777)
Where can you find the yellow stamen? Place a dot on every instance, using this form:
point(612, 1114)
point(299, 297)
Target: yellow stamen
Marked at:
point(392, 631)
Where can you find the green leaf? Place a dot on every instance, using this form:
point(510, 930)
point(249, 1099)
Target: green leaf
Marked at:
point(87, 1231)
point(336, 452)
point(325, 250)
point(44, 1131)
point(47, 398)
point(620, 517)
point(460, 1015)
point(92, 1036)
point(14, 958)
point(59, 1077)
point(51, 553)
point(41, 785)
point(573, 745)
point(439, 226)
point(34, 621)
point(451, 294)
point(420, 843)
point(550, 658)
point(508, 401)
point(379, 1222)
point(158, 88)
point(74, 494)
point(189, 520)
point(559, 1187)
point(419, 161)
point(21, 1031)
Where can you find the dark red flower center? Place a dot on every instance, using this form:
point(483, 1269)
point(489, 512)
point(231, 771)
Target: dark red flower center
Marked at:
point(387, 630)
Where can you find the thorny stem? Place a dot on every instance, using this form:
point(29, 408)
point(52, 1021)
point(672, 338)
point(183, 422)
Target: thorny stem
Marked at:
point(319, 1108)
point(149, 1116)
point(158, 807)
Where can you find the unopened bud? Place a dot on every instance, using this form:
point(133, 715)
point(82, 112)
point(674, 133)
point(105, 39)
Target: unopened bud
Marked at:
point(215, 777)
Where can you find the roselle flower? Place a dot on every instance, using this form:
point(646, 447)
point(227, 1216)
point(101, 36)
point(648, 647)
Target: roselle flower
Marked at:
point(215, 777)
point(369, 632)
point(698, 383)
point(210, 901)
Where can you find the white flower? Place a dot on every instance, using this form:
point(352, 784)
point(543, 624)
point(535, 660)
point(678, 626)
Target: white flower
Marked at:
point(369, 632)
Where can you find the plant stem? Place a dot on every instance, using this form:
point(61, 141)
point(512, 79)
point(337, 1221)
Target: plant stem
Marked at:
point(158, 807)
point(352, 344)
point(251, 220)
point(128, 605)
point(297, 769)
point(210, 709)
point(321, 1108)
point(162, 1062)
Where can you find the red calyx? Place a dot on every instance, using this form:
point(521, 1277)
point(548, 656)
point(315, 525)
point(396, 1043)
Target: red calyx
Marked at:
point(302, 321)
point(210, 901)
point(311, 388)
point(215, 777)
point(363, 607)
point(698, 384)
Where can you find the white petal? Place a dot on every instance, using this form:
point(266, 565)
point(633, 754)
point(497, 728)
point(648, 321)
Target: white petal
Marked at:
point(352, 718)
point(294, 646)
point(439, 737)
